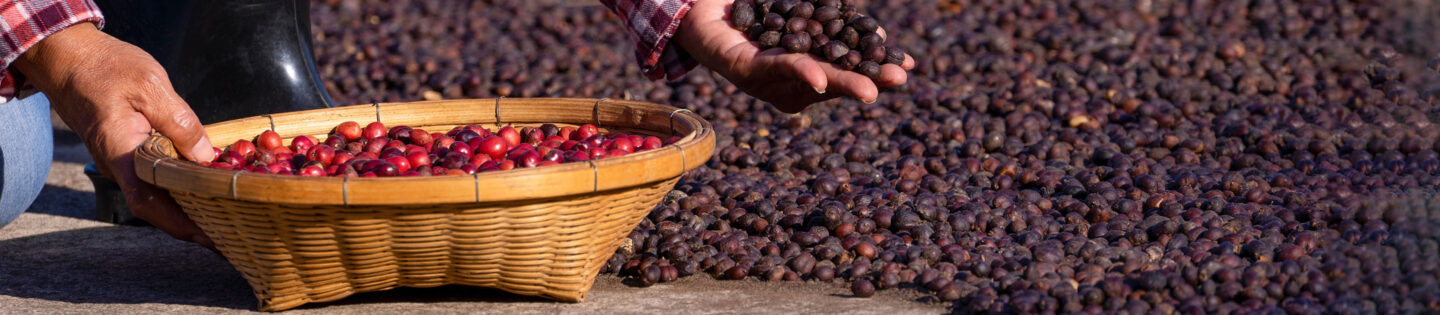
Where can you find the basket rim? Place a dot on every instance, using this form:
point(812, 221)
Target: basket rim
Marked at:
point(157, 162)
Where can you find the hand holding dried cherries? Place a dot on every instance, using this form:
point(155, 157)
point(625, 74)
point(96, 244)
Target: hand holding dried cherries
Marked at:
point(830, 30)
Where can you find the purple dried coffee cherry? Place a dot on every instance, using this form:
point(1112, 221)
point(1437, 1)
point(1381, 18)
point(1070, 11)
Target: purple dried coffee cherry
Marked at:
point(795, 43)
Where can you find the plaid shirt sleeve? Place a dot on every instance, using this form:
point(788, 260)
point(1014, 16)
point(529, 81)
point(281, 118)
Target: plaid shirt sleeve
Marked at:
point(653, 22)
point(25, 22)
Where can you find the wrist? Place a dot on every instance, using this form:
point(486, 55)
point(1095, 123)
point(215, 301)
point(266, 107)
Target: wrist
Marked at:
point(50, 62)
point(691, 35)
point(685, 36)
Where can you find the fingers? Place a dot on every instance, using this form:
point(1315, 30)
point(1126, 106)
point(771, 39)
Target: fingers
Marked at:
point(156, 206)
point(794, 66)
point(798, 101)
point(891, 76)
point(809, 71)
point(169, 115)
point(113, 148)
point(830, 79)
point(789, 81)
point(909, 63)
point(852, 83)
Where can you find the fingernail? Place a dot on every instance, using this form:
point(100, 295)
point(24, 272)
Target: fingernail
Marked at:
point(202, 151)
point(871, 101)
point(819, 91)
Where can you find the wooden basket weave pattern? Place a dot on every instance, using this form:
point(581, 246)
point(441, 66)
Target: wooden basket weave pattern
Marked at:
point(542, 231)
point(302, 254)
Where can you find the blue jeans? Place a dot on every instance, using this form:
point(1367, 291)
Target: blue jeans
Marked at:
point(26, 147)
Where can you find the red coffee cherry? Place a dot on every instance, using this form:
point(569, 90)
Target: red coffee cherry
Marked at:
point(350, 130)
point(268, 140)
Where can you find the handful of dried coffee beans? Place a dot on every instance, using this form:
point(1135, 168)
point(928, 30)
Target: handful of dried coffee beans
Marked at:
point(830, 30)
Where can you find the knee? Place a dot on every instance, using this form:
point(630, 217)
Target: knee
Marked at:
point(24, 155)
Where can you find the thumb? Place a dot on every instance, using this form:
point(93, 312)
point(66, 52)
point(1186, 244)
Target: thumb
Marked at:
point(169, 115)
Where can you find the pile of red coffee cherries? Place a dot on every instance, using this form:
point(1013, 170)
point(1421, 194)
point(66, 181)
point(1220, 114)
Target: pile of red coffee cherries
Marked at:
point(374, 151)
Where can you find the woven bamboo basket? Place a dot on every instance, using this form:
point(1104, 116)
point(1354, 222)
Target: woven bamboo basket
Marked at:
point(541, 231)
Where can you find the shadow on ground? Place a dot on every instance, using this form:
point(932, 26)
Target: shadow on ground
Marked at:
point(67, 191)
point(64, 201)
point(126, 265)
point(136, 265)
point(452, 293)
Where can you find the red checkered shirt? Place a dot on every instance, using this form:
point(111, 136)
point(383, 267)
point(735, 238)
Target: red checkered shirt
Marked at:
point(25, 22)
point(653, 22)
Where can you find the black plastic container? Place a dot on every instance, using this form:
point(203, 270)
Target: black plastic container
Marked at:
point(227, 59)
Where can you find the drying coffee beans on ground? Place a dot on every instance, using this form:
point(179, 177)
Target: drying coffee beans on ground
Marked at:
point(1190, 157)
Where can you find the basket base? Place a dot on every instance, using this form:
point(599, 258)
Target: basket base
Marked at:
point(293, 254)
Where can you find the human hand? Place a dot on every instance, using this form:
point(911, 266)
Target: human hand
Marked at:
point(112, 94)
point(791, 81)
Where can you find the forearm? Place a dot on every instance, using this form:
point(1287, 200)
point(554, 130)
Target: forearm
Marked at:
point(47, 63)
point(29, 23)
point(50, 66)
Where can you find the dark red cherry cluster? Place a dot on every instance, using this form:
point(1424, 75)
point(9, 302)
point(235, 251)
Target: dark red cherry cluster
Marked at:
point(374, 151)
